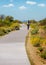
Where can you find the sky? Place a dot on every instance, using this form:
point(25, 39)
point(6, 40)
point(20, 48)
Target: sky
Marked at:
point(24, 9)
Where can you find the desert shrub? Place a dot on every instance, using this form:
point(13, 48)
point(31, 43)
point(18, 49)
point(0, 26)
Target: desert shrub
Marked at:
point(40, 49)
point(42, 22)
point(34, 26)
point(37, 44)
point(4, 30)
point(35, 31)
point(1, 33)
point(9, 30)
point(14, 25)
point(8, 24)
point(35, 40)
point(43, 55)
point(44, 27)
point(44, 41)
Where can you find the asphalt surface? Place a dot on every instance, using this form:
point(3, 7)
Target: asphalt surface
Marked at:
point(12, 48)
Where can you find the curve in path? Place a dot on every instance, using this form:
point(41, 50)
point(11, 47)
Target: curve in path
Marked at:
point(12, 48)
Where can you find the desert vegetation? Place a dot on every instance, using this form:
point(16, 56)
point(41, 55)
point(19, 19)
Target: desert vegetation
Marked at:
point(36, 42)
point(38, 38)
point(8, 24)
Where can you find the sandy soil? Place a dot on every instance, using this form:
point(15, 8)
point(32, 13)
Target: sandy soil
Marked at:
point(31, 52)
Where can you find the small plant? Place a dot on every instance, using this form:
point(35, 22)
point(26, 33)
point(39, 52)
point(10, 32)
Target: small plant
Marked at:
point(44, 27)
point(1, 33)
point(35, 40)
point(35, 31)
point(37, 44)
point(40, 49)
point(5, 31)
point(43, 55)
point(9, 30)
point(34, 25)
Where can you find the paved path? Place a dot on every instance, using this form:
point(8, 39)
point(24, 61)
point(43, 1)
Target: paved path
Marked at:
point(12, 48)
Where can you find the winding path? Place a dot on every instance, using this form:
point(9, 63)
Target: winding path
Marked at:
point(12, 48)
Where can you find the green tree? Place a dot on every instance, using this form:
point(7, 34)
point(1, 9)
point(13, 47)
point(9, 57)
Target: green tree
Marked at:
point(42, 22)
point(8, 20)
point(33, 21)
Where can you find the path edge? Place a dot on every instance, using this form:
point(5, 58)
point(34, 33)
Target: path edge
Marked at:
point(27, 51)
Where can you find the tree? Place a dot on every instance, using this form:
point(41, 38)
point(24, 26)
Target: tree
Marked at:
point(9, 18)
point(33, 21)
point(17, 21)
point(42, 22)
point(2, 17)
point(1, 20)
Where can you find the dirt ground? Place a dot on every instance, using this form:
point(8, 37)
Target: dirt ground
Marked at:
point(32, 54)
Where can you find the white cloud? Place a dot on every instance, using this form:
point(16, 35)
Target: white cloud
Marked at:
point(22, 7)
point(31, 2)
point(9, 5)
point(41, 5)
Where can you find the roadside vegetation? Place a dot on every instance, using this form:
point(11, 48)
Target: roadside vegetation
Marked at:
point(38, 38)
point(8, 24)
point(36, 42)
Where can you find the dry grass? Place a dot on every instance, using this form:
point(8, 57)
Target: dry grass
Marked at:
point(33, 53)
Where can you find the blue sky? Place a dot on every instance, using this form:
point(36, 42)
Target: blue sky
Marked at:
point(24, 9)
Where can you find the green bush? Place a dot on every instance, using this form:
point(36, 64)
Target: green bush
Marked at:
point(43, 55)
point(44, 27)
point(37, 44)
point(34, 25)
point(40, 49)
point(8, 24)
point(1, 33)
point(42, 22)
point(35, 31)
point(5, 31)
point(9, 30)
point(15, 26)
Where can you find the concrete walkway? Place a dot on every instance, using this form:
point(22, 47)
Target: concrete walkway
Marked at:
point(12, 48)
